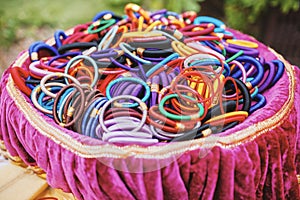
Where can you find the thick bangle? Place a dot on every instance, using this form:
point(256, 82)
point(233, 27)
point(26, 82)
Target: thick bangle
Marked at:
point(261, 102)
point(76, 46)
point(34, 51)
point(96, 74)
point(266, 82)
point(279, 72)
point(179, 117)
point(142, 105)
point(259, 67)
point(221, 119)
point(131, 79)
point(19, 75)
point(57, 35)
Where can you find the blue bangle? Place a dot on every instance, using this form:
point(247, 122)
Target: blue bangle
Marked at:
point(87, 114)
point(94, 120)
point(39, 46)
point(279, 71)
point(261, 102)
point(259, 68)
point(62, 102)
point(162, 63)
point(131, 79)
point(102, 14)
point(48, 104)
point(220, 26)
point(57, 35)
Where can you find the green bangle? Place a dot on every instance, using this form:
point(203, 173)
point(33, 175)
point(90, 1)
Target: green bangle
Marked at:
point(103, 24)
point(179, 117)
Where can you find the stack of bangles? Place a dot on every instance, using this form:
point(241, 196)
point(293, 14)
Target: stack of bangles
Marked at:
point(147, 77)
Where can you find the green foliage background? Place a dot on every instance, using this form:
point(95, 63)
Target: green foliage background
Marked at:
point(61, 14)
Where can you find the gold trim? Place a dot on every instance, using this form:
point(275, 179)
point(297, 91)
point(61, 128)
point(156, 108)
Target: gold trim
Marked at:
point(158, 152)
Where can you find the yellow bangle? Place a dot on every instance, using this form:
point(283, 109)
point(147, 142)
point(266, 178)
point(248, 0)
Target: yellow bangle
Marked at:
point(228, 115)
point(243, 43)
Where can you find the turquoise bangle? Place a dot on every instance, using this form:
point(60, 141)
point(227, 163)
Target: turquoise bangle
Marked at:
point(92, 61)
point(163, 62)
point(179, 117)
point(220, 26)
point(103, 24)
point(62, 102)
point(131, 79)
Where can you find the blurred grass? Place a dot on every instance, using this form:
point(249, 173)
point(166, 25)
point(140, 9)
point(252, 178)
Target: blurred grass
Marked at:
point(34, 14)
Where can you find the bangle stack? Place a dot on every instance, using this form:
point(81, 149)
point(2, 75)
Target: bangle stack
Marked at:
point(147, 77)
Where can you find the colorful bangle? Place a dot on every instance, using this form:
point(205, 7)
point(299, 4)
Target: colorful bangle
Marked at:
point(179, 117)
point(142, 105)
point(96, 74)
point(131, 79)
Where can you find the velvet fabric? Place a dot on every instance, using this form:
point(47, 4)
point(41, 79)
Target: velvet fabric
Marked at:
point(263, 165)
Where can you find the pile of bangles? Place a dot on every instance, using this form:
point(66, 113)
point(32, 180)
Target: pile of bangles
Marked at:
point(147, 77)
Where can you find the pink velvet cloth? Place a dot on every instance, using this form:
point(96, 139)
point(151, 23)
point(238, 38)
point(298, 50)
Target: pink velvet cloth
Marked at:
point(264, 168)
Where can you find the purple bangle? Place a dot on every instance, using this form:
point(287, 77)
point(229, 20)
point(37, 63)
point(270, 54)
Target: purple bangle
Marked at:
point(270, 76)
point(233, 49)
point(119, 88)
point(154, 90)
point(164, 79)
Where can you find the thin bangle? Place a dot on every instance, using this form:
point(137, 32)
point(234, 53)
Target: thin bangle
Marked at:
point(56, 75)
point(101, 24)
point(142, 105)
point(79, 57)
point(108, 38)
point(179, 117)
point(124, 47)
point(162, 63)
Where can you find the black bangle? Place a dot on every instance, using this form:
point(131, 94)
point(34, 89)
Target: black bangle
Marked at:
point(76, 45)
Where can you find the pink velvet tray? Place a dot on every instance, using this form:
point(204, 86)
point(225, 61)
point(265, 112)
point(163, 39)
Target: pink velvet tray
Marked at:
point(258, 159)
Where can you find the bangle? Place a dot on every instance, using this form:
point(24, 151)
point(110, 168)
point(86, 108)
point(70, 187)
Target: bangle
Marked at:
point(57, 35)
point(261, 103)
point(101, 25)
point(220, 26)
point(242, 43)
point(70, 109)
point(34, 50)
point(34, 100)
point(96, 74)
point(90, 112)
point(108, 38)
point(131, 79)
point(124, 47)
point(141, 104)
point(55, 75)
point(266, 82)
point(19, 75)
point(201, 29)
point(227, 118)
point(259, 67)
point(162, 63)
point(179, 117)
point(279, 72)
point(131, 9)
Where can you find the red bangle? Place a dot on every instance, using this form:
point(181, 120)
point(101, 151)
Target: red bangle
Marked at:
point(19, 75)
